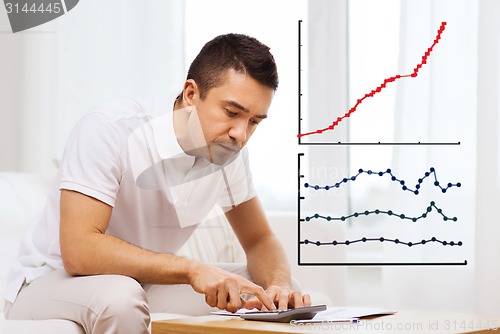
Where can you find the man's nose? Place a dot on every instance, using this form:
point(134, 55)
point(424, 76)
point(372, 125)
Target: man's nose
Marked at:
point(238, 131)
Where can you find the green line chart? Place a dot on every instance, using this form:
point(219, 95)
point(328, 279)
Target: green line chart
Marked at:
point(365, 213)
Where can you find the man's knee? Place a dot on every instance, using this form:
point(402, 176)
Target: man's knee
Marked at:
point(123, 302)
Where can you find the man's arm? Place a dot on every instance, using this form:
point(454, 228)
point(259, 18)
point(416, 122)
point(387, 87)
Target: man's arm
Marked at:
point(266, 259)
point(87, 250)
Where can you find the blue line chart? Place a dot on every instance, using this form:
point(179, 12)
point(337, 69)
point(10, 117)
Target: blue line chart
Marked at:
point(424, 215)
point(381, 239)
point(394, 178)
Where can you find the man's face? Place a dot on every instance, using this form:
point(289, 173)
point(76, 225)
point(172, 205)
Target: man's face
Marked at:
point(230, 113)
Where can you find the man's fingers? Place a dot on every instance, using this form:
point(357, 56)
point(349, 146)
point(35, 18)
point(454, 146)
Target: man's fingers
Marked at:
point(259, 292)
point(307, 300)
point(295, 299)
point(234, 300)
point(211, 299)
point(283, 299)
point(222, 296)
point(252, 303)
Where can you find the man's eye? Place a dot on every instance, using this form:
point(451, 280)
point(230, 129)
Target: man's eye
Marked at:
point(231, 113)
point(254, 122)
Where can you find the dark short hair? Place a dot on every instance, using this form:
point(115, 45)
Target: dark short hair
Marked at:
point(232, 51)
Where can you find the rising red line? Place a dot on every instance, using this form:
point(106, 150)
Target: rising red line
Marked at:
point(382, 86)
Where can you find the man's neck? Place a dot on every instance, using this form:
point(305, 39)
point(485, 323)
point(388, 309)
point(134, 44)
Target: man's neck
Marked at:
point(181, 118)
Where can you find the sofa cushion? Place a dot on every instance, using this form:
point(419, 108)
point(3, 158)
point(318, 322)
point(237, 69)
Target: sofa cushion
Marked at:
point(58, 326)
point(22, 196)
point(39, 326)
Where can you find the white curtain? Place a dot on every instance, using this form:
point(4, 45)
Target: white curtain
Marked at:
point(455, 100)
point(324, 88)
point(54, 73)
point(487, 256)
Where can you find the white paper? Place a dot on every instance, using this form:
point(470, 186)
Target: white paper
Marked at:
point(334, 313)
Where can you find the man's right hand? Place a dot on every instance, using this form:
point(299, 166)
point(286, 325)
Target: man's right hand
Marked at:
point(223, 289)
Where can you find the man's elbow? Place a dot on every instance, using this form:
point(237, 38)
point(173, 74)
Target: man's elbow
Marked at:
point(73, 261)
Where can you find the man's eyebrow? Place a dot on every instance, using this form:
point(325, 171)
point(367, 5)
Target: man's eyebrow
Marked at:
point(239, 106)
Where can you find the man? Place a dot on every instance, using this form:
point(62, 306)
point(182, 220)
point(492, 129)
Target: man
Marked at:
point(135, 180)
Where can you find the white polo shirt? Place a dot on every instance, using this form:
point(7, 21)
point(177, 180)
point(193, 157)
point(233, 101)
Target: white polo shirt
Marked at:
point(125, 154)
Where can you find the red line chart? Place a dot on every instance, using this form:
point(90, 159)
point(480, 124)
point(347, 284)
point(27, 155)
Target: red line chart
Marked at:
point(382, 86)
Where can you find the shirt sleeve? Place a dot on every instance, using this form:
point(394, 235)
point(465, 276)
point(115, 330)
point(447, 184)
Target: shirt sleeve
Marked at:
point(91, 162)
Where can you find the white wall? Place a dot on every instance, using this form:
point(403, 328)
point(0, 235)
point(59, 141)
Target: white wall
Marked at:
point(54, 73)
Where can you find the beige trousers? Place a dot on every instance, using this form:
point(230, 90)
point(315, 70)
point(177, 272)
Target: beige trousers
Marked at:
point(107, 303)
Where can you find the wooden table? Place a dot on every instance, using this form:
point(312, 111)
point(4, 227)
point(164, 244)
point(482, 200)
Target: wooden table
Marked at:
point(401, 322)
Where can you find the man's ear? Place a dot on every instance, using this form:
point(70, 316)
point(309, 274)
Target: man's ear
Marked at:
point(190, 92)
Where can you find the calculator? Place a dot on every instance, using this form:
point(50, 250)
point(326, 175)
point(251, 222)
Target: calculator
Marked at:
point(299, 313)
